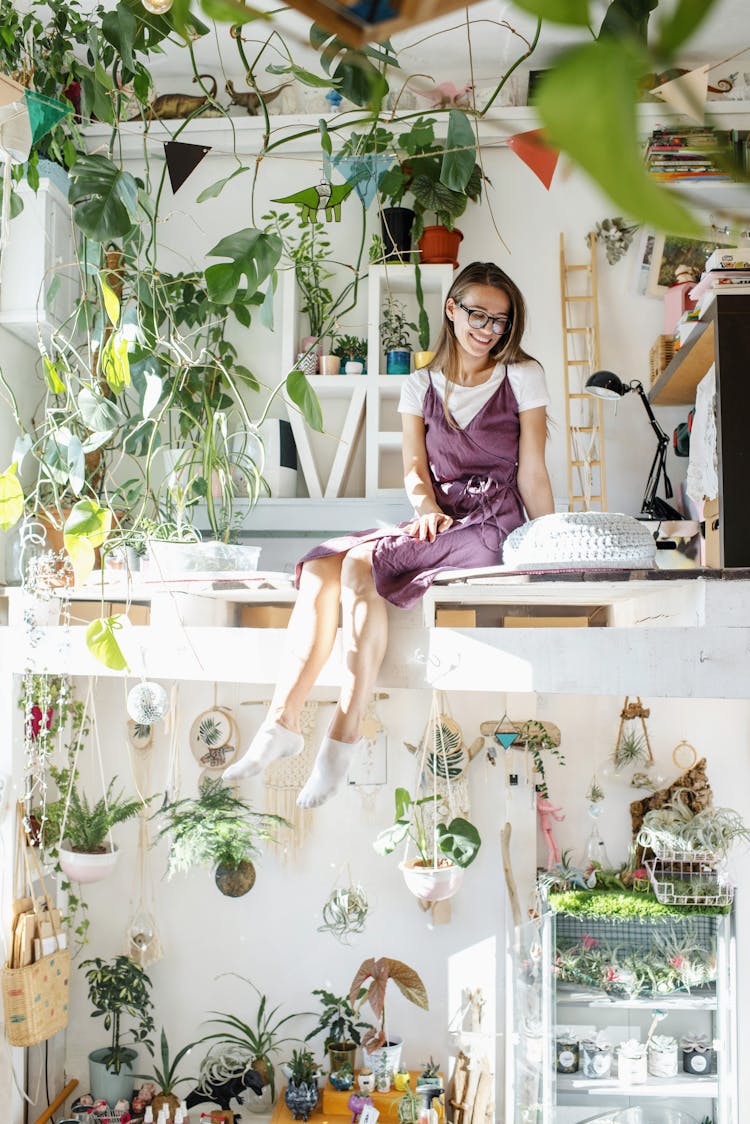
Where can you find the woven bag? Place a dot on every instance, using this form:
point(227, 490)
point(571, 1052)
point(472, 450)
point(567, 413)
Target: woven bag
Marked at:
point(35, 996)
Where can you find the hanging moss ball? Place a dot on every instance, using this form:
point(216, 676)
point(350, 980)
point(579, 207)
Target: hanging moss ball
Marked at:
point(234, 881)
point(147, 703)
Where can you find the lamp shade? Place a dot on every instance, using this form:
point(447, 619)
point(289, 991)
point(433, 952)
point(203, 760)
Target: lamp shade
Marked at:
point(606, 384)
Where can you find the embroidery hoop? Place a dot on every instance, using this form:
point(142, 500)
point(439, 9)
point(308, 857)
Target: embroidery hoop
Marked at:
point(227, 741)
point(680, 755)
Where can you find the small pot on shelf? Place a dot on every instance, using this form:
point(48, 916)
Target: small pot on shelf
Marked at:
point(398, 361)
point(329, 364)
point(396, 224)
point(423, 359)
point(354, 367)
point(439, 246)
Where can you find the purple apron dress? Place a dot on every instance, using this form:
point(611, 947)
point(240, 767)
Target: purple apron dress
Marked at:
point(473, 472)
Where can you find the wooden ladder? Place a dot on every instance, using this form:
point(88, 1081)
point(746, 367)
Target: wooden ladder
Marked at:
point(587, 485)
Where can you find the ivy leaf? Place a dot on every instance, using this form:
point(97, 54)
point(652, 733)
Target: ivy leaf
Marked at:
point(51, 377)
point(104, 198)
point(306, 77)
point(85, 529)
point(459, 160)
point(557, 11)
point(587, 100)
point(303, 396)
point(111, 302)
point(215, 189)
point(115, 363)
point(11, 498)
point(97, 412)
point(254, 255)
point(102, 643)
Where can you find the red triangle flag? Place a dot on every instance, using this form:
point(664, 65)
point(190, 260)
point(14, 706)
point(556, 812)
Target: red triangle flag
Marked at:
point(535, 154)
point(182, 160)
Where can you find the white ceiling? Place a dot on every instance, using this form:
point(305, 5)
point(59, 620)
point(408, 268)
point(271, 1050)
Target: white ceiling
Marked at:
point(440, 48)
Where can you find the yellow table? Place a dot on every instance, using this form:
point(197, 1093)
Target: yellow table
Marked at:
point(332, 1106)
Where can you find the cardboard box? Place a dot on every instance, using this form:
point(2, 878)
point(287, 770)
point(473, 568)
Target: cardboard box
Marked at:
point(265, 616)
point(456, 618)
point(136, 614)
point(712, 550)
point(546, 622)
point(83, 612)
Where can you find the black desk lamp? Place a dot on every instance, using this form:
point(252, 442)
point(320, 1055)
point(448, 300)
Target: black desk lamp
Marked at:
point(606, 384)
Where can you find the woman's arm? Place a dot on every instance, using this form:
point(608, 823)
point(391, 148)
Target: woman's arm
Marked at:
point(431, 519)
point(533, 478)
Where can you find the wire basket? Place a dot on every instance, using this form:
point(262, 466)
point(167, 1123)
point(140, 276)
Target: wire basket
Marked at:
point(707, 860)
point(680, 882)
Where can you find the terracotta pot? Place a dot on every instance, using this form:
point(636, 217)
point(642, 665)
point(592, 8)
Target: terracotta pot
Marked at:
point(439, 246)
point(429, 883)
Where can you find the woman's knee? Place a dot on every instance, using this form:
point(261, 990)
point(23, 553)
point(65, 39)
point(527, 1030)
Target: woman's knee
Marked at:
point(322, 572)
point(356, 570)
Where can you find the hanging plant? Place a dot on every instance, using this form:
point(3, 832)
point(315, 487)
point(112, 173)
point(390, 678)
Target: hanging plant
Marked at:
point(446, 759)
point(631, 749)
point(345, 912)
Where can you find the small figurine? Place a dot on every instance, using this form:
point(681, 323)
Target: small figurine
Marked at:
point(334, 99)
point(547, 811)
point(446, 94)
point(355, 1104)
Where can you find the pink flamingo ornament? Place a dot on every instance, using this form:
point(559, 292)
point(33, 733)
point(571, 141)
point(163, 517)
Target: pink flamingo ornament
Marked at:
point(547, 811)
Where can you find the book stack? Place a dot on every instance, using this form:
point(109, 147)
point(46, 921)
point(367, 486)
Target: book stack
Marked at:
point(727, 271)
point(684, 154)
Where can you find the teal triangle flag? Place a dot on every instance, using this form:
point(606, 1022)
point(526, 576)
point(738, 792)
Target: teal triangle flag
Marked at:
point(364, 173)
point(506, 737)
point(44, 113)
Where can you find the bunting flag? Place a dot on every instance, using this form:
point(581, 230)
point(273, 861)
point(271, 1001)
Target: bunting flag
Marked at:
point(535, 154)
point(364, 172)
point(44, 113)
point(686, 94)
point(182, 160)
point(506, 737)
point(10, 90)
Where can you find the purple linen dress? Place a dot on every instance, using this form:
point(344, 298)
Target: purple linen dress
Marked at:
point(473, 473)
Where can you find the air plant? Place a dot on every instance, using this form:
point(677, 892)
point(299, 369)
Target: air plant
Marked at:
point(617, 235)
point(595, 793)
point(345, 912)
point(631, 749)
point(563, 875)
point(675, 828)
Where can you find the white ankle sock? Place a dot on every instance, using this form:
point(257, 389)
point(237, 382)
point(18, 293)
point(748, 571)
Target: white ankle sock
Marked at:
point(328, 772)
point(271, 742)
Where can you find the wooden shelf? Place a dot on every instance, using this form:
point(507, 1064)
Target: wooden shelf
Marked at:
point(677, 383)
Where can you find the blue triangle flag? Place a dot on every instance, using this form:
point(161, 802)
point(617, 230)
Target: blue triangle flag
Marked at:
point(364, 172)
point(506, 737)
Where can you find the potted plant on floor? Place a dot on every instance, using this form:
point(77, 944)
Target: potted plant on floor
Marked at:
point(379, 972)
point(340, 1026)
point(117, 988)
point(301, 1093)
point(81, 832)
point(255, 1041)
point(443, 850)
point(217, 829)
point(395, 337)
point(164, 1075)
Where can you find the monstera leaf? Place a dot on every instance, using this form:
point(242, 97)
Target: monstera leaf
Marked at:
point(104, 198)
point(254, 255)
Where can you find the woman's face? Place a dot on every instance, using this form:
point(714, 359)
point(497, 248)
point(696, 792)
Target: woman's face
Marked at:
point(478, 342)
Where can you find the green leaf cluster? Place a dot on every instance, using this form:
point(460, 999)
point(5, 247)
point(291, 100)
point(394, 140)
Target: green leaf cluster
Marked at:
point(458, 841)
point(88, 825)
point(338, 1021)
point(116, 988)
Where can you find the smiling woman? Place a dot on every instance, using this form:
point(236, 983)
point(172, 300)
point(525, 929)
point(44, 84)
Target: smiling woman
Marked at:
point(471, 467)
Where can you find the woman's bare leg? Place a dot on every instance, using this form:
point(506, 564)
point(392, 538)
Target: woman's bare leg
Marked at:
point(310, 637)
point(365, 628)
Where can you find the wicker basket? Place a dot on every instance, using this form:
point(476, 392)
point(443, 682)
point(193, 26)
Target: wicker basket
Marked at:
point(660, 357)
point(35, 999)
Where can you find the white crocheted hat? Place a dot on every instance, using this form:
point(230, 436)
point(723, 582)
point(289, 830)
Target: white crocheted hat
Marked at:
point(594, 540)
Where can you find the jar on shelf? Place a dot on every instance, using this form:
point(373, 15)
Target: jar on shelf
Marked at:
point(697, 1055)
point(632, 1066)
point(596, 1058)
point(662, 1055)
point(567, 1054)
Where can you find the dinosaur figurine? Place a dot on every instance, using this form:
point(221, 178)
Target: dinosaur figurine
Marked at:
point(323, 196)
point(181, 105)
point(250, 100)
point(446, 94)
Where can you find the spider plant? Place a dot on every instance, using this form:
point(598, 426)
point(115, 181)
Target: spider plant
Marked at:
point(256, 1040)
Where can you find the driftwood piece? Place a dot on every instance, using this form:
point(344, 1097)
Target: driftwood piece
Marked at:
point(510, 880)
point(457, 1098)
point(698, 796)
point(552, 731)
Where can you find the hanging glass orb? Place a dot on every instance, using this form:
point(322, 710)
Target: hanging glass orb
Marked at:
point(157, 7)
point(141, 931)
point(147, 703)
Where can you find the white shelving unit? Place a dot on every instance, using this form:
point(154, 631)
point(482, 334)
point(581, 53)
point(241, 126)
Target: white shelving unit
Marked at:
point(542, 1005)
point(371, 399)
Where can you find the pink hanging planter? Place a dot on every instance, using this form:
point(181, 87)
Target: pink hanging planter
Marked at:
point(429, 883)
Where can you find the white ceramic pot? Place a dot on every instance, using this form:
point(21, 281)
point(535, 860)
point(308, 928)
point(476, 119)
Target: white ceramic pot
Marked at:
point(392, 1053)
point(353, 367)
point(80, 866)
point(432, 884)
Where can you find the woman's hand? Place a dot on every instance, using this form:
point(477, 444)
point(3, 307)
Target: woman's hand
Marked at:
point(427, 526)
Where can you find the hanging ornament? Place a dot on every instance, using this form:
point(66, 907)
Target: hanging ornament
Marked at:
point(142, 930)
point(147, 703)
point(595, 855)
point(345, 911)
point(319, 197)
point(157, 7)
point(214, 738)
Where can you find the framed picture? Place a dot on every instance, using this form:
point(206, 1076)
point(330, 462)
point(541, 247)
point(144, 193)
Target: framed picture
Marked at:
point(667, 253)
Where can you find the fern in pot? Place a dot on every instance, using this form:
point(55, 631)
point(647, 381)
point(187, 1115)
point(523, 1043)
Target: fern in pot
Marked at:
point(81, 831)
point(217, 829)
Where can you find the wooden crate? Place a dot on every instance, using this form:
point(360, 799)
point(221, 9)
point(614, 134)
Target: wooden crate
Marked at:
point(660, 356)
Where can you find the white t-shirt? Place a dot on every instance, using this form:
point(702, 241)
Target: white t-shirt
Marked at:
point(527, 382)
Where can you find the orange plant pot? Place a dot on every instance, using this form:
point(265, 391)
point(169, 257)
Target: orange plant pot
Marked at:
point(439, 246)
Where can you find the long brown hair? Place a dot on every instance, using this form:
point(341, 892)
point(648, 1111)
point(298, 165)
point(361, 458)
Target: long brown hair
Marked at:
point(508, 347)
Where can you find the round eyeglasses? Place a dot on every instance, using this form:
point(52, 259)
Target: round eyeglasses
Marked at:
point(479, 319)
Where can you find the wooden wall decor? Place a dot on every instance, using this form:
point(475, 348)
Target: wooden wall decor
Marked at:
point(359, 23)
point(698, 796)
